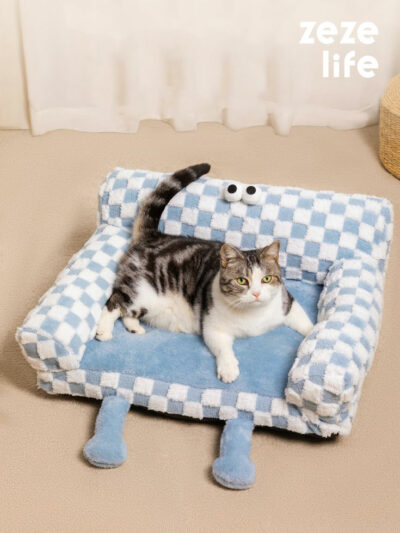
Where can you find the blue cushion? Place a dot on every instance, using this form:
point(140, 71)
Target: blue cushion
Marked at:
point(264, 361)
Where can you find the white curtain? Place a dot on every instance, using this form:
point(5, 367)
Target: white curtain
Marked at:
point(13, 98)
point(105, 65)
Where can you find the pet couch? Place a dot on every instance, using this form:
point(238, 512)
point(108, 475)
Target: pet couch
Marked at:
point(334, 251)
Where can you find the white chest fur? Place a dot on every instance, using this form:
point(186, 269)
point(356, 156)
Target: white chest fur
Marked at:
point(249, 321)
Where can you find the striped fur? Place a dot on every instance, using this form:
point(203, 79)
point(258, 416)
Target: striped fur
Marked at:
point(152, 209)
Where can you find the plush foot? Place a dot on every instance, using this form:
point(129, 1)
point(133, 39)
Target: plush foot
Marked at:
point(235, 472)
point(107, 448)
point(133, 325)
point(228, 369)
point(234, 468)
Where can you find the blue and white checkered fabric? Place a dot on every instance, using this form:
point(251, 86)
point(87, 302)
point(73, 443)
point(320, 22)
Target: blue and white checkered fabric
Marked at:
point(333, 360)
point(174, 398)
point(338, 240)
point(55, 333)
point(314, 228)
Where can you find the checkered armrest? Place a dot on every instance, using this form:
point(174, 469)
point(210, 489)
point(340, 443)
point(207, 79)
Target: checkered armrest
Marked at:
point(55, 333)
point(326, 377)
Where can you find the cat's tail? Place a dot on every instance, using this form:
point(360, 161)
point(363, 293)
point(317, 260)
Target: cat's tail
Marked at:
point(152, 208)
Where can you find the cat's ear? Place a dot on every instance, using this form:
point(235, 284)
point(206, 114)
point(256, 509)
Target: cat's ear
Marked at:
point(271, 251)
point(229, 254)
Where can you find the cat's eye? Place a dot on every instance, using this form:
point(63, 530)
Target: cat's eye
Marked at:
point(267, 279)
point(233, 192)
point(242, 281)
point(251, 194)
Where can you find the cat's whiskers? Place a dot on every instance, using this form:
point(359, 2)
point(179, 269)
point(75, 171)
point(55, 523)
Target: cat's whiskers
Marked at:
point(237, 303)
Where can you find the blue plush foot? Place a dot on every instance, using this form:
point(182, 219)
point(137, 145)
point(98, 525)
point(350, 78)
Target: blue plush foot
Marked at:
point(234, 468)
point(107, 449)
point(237, 473)
point(105, 454)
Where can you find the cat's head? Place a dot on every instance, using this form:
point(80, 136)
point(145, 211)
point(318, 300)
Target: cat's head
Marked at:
point(250, 277)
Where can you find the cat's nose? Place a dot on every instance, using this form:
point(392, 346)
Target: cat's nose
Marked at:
point(255, 294)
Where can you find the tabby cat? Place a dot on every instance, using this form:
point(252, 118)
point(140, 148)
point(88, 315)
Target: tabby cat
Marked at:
point(190, 285)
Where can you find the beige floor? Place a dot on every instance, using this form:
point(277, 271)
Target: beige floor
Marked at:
point(48, 205)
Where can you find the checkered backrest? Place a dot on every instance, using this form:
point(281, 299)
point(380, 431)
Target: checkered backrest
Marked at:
point(314, 228)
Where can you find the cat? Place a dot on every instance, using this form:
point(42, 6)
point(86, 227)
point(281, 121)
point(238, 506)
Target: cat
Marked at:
point(190, 285)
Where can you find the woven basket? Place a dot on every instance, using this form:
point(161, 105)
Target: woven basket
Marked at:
point(389, 128)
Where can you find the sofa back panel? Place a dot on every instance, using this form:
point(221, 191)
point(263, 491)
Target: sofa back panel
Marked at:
point(315, 228)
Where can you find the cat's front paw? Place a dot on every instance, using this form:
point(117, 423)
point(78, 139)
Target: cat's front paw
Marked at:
point(103, 335)
point(228, 369)
point(133, 326)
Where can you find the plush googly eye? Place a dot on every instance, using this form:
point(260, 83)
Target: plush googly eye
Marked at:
point(233, 192)
point(251, 194)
